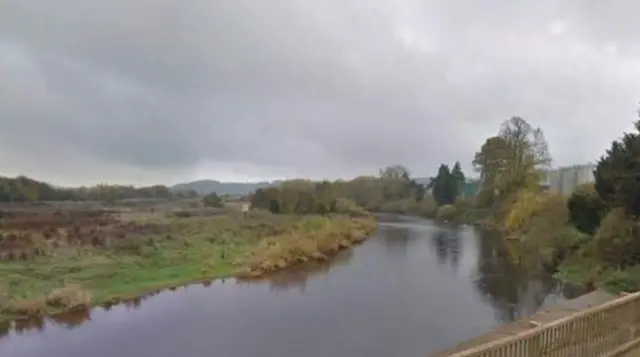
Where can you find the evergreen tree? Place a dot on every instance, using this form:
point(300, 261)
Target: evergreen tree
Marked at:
point(458, 179)
point(443, 186)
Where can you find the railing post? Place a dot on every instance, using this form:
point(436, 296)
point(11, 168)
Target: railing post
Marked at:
point(632, 318)
point(533, 347)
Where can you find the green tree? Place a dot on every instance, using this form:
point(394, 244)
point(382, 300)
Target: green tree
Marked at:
point(444, 186)
point(586, 208)
point(617, 175)
point(394, 172)
point(395, 182)
point(212, 200)
point(511, 161)
point(458, 178)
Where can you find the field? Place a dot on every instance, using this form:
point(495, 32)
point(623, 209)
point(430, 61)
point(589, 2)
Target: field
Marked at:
point(55, 258)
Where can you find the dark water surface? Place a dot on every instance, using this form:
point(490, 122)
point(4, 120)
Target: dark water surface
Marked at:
point(410, 291)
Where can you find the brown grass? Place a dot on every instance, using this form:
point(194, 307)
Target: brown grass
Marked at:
point(68, 297)
point(126, 253)
point(282, 251)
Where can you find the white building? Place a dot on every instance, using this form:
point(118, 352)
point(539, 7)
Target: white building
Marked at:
point(564, 180)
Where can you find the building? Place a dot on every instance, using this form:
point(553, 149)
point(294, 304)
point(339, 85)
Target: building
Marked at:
point(564, 180)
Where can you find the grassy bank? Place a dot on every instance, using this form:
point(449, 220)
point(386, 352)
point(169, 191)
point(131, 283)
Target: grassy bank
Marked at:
point(81, 262)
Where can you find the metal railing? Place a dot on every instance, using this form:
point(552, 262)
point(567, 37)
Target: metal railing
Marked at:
point(606, 330)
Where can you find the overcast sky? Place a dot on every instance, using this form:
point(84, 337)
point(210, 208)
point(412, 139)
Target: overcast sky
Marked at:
point(161, 91)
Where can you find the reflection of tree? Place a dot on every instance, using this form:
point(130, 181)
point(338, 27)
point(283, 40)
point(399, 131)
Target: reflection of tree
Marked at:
point(135, 302)
point(72, 319)
point(455, 248)
point(512, 289)
point(448, 246)
point(34, 323)
point(396, 239)
point(297, 277)
point(5, 328)
point(441, 245)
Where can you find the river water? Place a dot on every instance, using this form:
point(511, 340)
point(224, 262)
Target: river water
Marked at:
point(413, 289)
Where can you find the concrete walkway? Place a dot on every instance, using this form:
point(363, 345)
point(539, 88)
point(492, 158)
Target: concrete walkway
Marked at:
point(633, 353)
point(542, 317)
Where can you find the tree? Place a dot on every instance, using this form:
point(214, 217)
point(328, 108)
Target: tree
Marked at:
point(394, 172)
point(617, 175)
point(395, 182)
point(586, 208)
point(458, 178)
point(443, 185)
point(512, 160)
point(212, 200)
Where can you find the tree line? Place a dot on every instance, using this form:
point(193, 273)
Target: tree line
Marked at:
point(391, 190)
point(25, 189)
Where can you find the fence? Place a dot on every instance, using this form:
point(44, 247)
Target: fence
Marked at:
point(606, 330)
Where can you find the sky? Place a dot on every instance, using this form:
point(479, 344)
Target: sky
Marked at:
point(164, 91)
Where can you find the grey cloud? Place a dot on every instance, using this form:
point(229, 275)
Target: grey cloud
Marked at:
point(314, 88)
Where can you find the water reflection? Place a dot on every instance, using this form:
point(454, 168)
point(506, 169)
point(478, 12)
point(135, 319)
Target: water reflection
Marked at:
point(396, 239)
point(296, 278)
point(447, 243)
point(412, 290)
point(72, 319)
point(5, 328)
point(514, 290)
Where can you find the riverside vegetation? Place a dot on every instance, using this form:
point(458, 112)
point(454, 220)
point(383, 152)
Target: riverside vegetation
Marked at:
point(590, 238)
point(60, 257)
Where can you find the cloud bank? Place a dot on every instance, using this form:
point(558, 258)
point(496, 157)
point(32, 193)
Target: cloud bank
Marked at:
point(163, 91)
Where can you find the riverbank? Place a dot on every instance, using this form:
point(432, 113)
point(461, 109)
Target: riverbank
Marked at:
point(57, 262)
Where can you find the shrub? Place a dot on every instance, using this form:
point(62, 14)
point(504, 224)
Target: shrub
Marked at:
point(617, 281)
point(446, 213)
point(212, 200)
point(617, 239)
point(524, 206)
point(465, 209)
point(347, 206)
point(427, 207)
point(69, 296)
point(550, 208)
point(586, 208)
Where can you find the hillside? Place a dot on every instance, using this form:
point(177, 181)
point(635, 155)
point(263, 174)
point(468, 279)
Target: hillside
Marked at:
point(202, 187)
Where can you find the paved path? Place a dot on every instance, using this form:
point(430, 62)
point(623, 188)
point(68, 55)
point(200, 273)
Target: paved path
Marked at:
point(542, 317)
point(633, 353)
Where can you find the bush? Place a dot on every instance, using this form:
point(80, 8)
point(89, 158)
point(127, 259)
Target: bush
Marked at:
point(586, 208)
point(550, 208)
point(446, 213)
point(212, 200)
point(617, 281)
point(347, 206)
point(617, 239)
point(427, 207)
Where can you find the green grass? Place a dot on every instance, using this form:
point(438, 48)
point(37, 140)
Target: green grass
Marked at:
point(194, 249)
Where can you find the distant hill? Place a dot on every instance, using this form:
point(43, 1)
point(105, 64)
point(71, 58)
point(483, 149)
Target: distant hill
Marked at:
point(423, 180)
point(203, 187)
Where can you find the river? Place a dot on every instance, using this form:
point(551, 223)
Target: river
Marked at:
point(413, 289)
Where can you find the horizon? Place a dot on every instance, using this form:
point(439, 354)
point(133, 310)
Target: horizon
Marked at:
point(467, 176)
